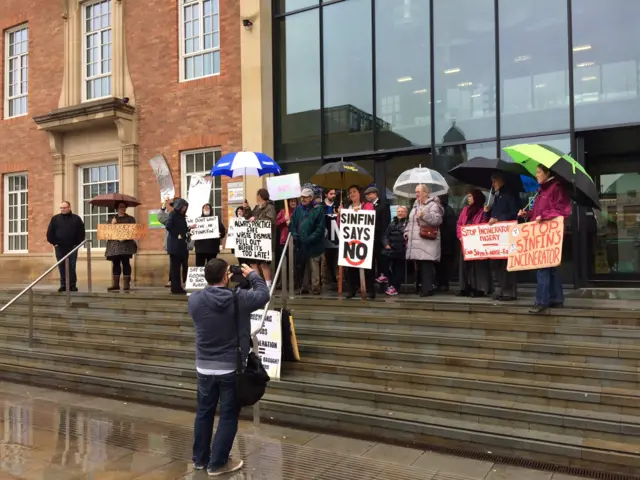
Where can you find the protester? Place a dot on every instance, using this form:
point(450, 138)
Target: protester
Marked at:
point(353, 274)
point(119, 252)
point(177, 245)
point(394, 248)
point(475, 275)
point(217, 338)
point(264, 210)
point(383, 218)
point(448, 246)
point(163, 216)
point(208, 248)
point(65, 232)
point(240, 212)
point(423, 237)
point(282, 223)
point(506, 204)
point(330, 257)
point(551, 201)
point(307, 227)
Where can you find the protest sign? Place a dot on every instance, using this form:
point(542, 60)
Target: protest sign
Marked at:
point(230, 238)
point(163, 175)
point(205, 228)
point(284, 187)
point(481, 242)
point(198, 194)
point(332, 230)
point(154, 223)
point(252, 239)
point(357, 231)
point(535, 245)
point(269, 340)
point(195, 279)
point(122, 231)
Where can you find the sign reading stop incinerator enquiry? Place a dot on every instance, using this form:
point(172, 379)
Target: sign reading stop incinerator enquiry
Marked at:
point(356, 239)
point(536, 245)
point(480, 242)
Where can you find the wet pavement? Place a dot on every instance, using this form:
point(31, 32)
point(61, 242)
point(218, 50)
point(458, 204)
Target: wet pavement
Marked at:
point(58, 435)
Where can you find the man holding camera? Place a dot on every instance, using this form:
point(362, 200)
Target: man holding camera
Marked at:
point(217, 338)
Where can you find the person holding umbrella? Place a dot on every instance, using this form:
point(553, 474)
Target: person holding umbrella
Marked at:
point(120, 252)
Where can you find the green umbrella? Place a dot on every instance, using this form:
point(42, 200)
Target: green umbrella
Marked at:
point(530, 155)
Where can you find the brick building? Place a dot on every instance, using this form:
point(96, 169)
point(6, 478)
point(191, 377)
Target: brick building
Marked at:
point(93, 89)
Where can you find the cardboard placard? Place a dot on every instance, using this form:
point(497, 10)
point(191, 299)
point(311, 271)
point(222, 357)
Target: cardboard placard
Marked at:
point(536, 245)
point(195, 279)
point(252, 240)
point(481, 242)
point(206, 228)
point(357, 237)
point(284, 187)
point(269, 340)
point(122, 231)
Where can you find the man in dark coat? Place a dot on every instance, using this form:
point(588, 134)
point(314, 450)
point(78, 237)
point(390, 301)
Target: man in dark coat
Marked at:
point(383, 219)
point(506, 205)
point(66, 231)
point(177, 245)
point(448, 245)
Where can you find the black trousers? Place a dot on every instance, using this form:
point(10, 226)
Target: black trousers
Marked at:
point(380, 262)
point(121, 265)
point(203, 258)
point(397, 269)
point(353, 277)
point(427, 275)
point(178, 270)
point(444, 268)
point(507, 281)
point(331, 255)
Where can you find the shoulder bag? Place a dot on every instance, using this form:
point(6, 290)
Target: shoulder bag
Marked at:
point(427, 231)
point(251, 381)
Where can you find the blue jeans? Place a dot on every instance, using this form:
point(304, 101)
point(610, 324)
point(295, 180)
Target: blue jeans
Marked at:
point(549, 289)
point(73, 259)
point(212, 389)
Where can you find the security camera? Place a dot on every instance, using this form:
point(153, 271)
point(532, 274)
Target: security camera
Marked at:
point(125, 100)
point(247, 23)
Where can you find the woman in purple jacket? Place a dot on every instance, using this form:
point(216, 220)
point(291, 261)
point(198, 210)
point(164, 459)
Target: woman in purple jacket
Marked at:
point(551, 201)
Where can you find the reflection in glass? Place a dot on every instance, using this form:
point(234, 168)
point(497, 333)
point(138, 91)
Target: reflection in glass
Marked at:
point(402, 73)
point(464, 65)
point(283, 6)
point(299, 89)
point(605, 58)
point(348, 89)
point(534, 66)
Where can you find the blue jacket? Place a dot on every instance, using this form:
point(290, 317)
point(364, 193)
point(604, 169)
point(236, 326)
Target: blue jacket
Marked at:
point(177, 230)
point(506, 205)
point(213, 317)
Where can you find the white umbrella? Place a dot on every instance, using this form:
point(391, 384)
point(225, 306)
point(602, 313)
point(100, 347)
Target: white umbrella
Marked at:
point(407, 182)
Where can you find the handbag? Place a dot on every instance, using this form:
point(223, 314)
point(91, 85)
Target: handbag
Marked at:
point(427, 231)
point(251, 381)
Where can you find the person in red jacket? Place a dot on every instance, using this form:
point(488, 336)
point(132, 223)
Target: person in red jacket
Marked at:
point(551, 201)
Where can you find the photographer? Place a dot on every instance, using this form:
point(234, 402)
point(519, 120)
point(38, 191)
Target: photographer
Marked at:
point(217, 336)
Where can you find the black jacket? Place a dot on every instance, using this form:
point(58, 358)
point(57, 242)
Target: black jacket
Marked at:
point(177, 230)
point(383, 218)
point(506, 205)
point(66, 231)
point(394, 237)
point(211, 246)
point(448, 239)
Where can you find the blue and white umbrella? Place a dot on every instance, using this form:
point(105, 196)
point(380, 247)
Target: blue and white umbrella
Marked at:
point(242, 164)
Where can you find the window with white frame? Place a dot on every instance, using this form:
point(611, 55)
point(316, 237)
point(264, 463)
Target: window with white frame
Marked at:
point(17, 68)
point(199, 38)
point(97, 49)
point(16, 203)
point(97, 180)
point(200, 162)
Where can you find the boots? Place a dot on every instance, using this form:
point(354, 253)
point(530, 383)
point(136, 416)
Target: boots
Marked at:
point(126, 283)
point(115, 285)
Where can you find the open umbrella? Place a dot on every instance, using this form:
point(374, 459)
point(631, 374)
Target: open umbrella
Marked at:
point(341, 175)
point(242, 164)
point(479, 170)
point(407, 182)
point(530, 155)
point(109, 200)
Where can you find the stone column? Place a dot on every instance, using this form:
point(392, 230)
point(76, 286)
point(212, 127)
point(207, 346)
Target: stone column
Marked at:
point(59, 170)
point(129, 176)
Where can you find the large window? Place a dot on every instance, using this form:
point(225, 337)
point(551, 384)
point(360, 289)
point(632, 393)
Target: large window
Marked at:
point(97, 20)
point(17, 71)
point(199, 38)
point(16, 203)
point(464, 62)
point(299, 113)
point(534, 63)
point(97, 180)
point(200, 162)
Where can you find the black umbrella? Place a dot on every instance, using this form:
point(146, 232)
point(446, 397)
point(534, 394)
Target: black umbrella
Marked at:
point(341, 175)
point(479, 170)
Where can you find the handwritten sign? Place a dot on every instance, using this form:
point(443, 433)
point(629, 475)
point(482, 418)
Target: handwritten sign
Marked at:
point(206, 227)
point(480, 242)
point(269, 340)
point(163, 175)
point(536, 245)
point(284, 187)
point(122, 231)
point(198, 194)
point(195, 279)
point(252, 239)
point(357, 231)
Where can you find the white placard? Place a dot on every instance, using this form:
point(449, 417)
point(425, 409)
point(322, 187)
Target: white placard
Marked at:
point(252, 239)
point(284, 187)
point(481, 242)
point(269, 340)
point(357, 236)
point(230, 238)
point(195, 279)
point(206, 227)
point(235, 192)
point(163, 175)
point(199, 194)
